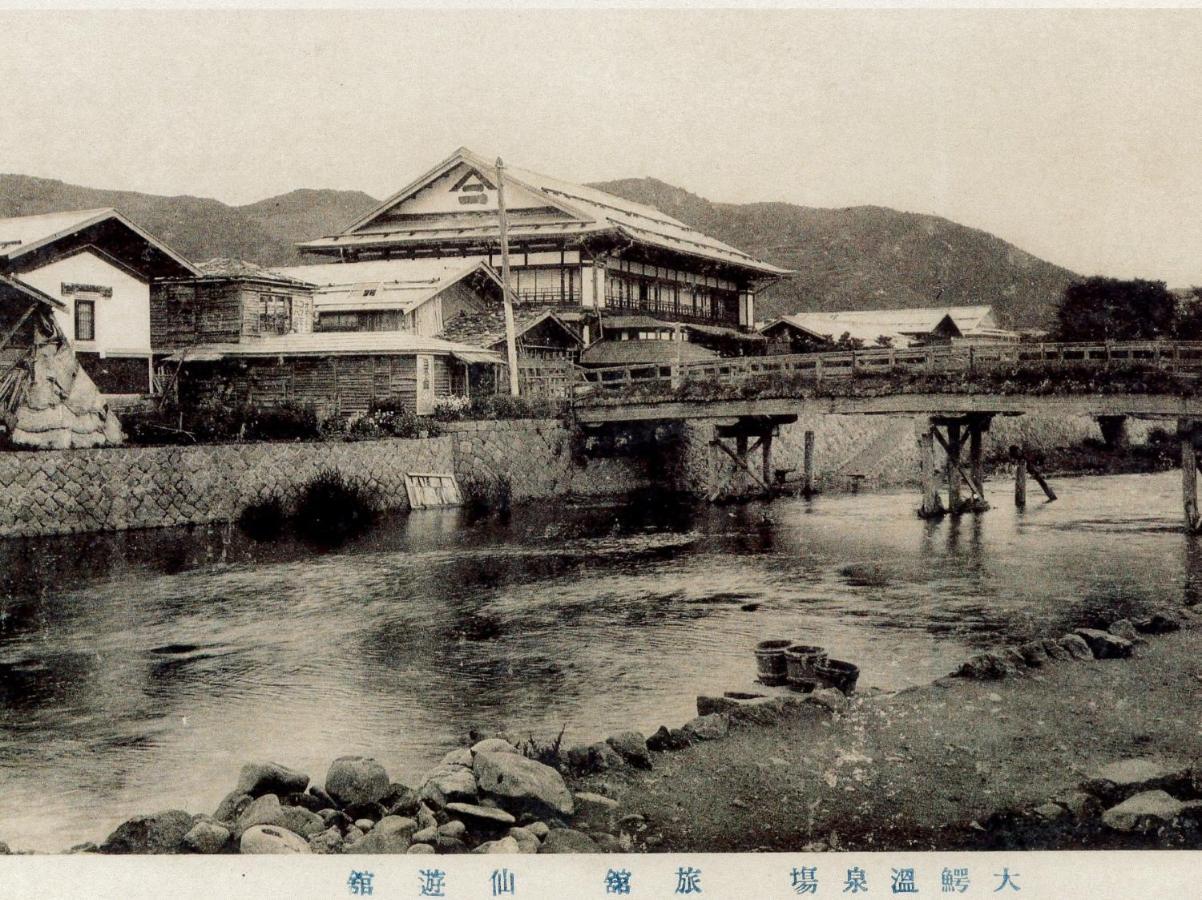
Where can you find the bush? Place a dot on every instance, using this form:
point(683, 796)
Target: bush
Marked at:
point(264, 519)
point(546, 752)
point(485, 495)
point(451, 409)
point(330, 508)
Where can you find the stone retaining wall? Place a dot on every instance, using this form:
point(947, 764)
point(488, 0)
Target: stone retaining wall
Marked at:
point(113, 489)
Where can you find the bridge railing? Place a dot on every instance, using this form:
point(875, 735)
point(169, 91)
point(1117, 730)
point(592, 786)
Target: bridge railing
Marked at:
point(1175, 356)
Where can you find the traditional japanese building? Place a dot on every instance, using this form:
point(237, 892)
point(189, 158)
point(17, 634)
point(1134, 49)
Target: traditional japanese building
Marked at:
point(815, 331)
point(100, 267)
point(571, 247)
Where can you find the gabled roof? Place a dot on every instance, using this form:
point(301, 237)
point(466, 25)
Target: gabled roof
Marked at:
point(222, 268)
point(902, 325)
point(10, 287)
point(579, 211)
point(630, 353)
point(487, 328)
point(386, 284)
point(22, 235)
point(336, 343)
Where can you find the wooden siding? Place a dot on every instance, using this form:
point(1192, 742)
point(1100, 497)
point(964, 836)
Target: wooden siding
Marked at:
point(334, 384)
point(183, 314)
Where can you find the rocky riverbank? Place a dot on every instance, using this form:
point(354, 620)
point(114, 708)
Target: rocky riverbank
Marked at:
point(1079, 740)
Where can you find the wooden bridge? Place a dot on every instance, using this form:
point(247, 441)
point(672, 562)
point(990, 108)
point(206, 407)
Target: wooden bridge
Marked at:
point(957, 390)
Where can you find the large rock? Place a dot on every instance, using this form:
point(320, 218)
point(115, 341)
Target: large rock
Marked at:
point(357, 779)
point(667, 739)
point(449, 784)
point(485, 815)
point(1126, 630)
point(985, 667)
point(493, 745)
point(461, 757)
point(270, 839)
point(832, 699)
point(327, 842)
point(1105, 645)
point(1033, 653)
point(1125, 778)
point(1076, 647)
point(567, 840)
point(266, 810)
point(1158, 623)
point(632, 747)
point(504, 845)
point(596, 812)
point(599, 757)
point(231, 806)
point(401, 801)
point(521, 783)
point(707, 705)
point(1143, 812)
point(707, 728)
point(527, 840)
point(258, 779)
point(161, 832)
point(392, 834)
point(207, 837)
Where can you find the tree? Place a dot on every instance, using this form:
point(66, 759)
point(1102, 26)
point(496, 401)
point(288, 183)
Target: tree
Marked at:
point(1110, 309)
point(847, 342)
point(1189, 317)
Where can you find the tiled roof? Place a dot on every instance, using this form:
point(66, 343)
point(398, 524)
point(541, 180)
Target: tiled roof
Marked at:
point(629, 353)
point(902, 325)
point(381, 284)
point(335, 343)
point(487, 328)
point(583, 210)
point(228, 267)
point(13, 287)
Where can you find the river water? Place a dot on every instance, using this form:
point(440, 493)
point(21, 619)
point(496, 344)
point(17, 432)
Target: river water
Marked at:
point(138, 671)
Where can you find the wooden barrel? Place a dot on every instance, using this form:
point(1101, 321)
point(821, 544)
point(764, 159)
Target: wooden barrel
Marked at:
point(770, 661)
point(801, 661)
point(838, 673)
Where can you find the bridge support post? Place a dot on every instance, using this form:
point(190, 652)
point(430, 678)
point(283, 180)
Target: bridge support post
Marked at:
point(1187, 430)
point(928, 463)
point(808, 463)
point(1020, 484)
point(953, 467)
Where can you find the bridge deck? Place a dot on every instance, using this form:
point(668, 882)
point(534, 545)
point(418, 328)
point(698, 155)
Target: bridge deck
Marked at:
point(1150, 406)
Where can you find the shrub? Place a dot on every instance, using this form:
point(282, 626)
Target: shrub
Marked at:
point(451, 409)
point(504, 406)
point(485, 495)
point(263, 519)
point(546, 752)
point(331, 508)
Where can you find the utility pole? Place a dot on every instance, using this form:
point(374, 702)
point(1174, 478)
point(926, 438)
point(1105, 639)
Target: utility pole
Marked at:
point(511, 345)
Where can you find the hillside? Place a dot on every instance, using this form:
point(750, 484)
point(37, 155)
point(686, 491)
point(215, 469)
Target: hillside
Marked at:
point(853, 258)
point(197, 227)
point(867, 256)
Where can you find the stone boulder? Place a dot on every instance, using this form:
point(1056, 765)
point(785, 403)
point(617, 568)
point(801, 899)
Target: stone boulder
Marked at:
point(707, 705)
point(985, 667)
point(1119, 780)
point(599, 757)
point(481, 815)
point(1126, 630)
point(832, 699)
point(707, 728)
point(207, 837)
point(270, 839)
point(493, 745)
point(449, 784)
point(1033, 654)
point(392, 834)
point(461, 757)
point(1143, 812)
point(266, 810)
point(327, 842)
point(357, 779)
point(1158, 623)
point(527, 840)
point(567, 840)
point(401, 801)
point(231, 806)
point(632, 747)
point(668, 739)
point(416, 849)
point(1076, 647)
point(595, 811)
point(521, 783)
point(504, 845)
point(257, 779)
point(1105, 645)
point(1056, 652)
point(161, 832)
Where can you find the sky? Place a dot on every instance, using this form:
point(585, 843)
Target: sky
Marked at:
point(1076, 135)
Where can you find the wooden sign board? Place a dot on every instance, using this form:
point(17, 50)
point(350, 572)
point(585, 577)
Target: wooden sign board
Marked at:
point(428, 490)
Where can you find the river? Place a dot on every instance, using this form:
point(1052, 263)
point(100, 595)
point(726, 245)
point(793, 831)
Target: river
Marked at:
point(140, 670)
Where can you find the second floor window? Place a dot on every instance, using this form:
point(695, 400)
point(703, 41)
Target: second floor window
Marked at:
point(275, 314)
point(85, 320)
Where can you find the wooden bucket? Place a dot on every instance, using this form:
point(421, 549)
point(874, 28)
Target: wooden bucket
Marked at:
point(801, 662)
point(770, 662)
point(838, 673)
